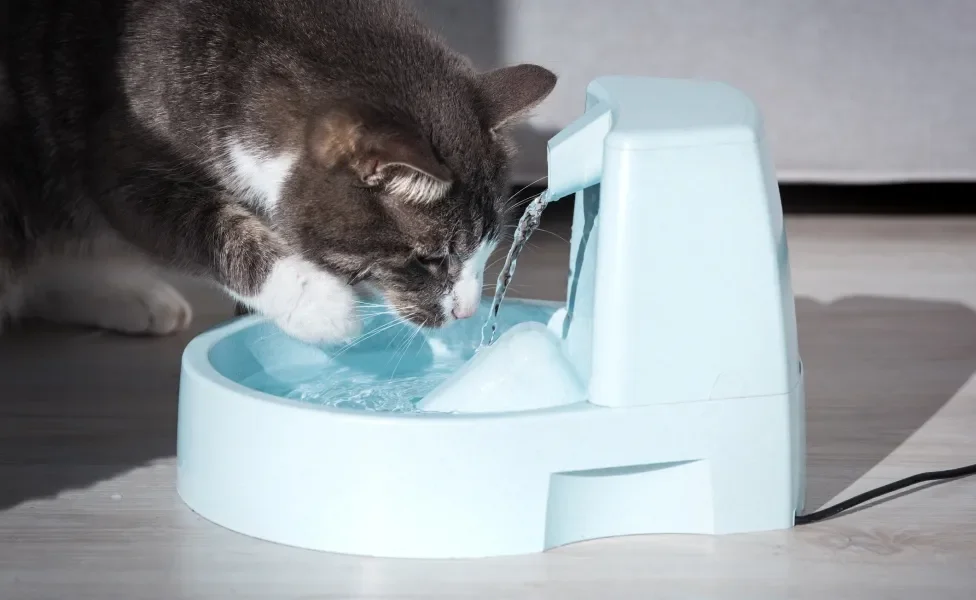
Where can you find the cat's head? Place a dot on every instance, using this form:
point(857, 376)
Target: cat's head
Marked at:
point(411, 202)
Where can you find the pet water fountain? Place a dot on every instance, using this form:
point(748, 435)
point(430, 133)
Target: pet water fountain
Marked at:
point(665, 395)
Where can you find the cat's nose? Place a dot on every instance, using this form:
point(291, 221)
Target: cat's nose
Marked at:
point(462, 312)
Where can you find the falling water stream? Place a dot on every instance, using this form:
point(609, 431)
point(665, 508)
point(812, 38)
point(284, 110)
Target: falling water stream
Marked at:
point(526, 227)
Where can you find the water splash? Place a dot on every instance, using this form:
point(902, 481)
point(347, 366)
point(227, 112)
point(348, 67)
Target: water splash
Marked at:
point(526, 227)
point(351, 388)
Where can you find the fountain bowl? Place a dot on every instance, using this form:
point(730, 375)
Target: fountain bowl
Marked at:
point(415, 484)
point(297, 444)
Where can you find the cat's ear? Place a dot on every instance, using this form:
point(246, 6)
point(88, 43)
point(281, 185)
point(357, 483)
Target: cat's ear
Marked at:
point(510, 93)
point(380, 156)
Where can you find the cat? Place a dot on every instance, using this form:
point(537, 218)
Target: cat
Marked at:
point(294, 152)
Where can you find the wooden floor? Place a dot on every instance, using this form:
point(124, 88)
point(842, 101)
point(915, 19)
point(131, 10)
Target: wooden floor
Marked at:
point(887, 320)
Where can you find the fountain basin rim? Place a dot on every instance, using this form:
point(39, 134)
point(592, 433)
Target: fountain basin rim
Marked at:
point(196, 365)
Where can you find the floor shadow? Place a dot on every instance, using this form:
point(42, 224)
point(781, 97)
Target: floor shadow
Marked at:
point(79, 406)
point(876, 370)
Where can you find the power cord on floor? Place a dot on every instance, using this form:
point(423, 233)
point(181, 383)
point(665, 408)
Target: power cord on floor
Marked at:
point(894, 486)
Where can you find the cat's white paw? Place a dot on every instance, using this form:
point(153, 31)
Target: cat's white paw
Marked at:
point(308, 303)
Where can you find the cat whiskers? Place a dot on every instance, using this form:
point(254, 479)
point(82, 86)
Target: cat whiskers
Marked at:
point(497, 260)
point(364, 303)
point(518, 289)
point(523, 188)
point(370, 310)
point(541, 230)
point(400, 320)
point(406, 348)
point(410, 311)
point(522, 202)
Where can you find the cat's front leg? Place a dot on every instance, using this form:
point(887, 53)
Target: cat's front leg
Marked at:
point(262, 272)
point(204, 231)
point(305, 301)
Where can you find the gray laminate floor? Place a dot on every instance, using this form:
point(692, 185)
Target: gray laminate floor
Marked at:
point(887, 320)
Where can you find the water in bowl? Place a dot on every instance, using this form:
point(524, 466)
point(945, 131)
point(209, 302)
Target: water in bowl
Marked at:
point(351, 388)
point(389, 369)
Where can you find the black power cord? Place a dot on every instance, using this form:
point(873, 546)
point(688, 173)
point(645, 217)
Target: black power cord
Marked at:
point(894, 486)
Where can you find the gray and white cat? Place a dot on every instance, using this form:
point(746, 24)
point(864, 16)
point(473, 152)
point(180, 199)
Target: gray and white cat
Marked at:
point(288, 150)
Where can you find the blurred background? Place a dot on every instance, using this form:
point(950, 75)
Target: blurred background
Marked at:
point(864, 97)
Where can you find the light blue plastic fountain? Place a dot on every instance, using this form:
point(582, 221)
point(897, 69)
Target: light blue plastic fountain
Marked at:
point(665, 396)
